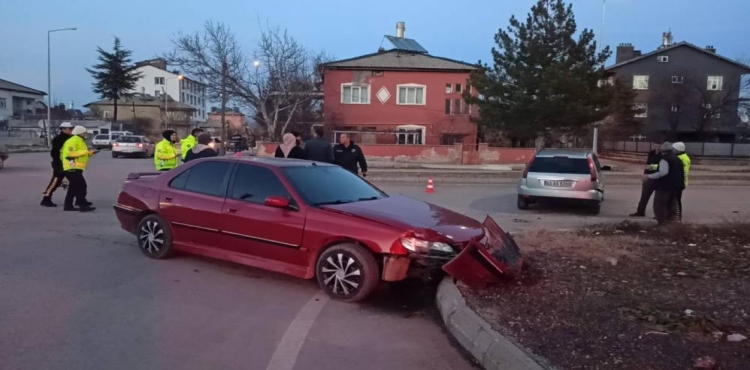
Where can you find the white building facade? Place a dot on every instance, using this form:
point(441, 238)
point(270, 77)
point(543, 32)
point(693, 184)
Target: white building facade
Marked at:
point(18, 100)
point(157, 80)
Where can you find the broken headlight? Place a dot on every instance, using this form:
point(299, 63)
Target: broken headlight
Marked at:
point(424, 247)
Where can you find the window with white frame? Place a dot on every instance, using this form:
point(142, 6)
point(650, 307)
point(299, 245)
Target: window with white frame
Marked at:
point(448, 88)
point(106, 114)
point(678, 79)
point(676, 108)
point(355, 94)
point(158, 80)
point(662, 59)
point(411, 94)
point(458, 88)
point(410, 135)
point(640, 82)
point(3, 103)
point(715, 83)
point(641, 110)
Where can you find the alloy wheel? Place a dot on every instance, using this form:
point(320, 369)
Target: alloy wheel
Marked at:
point(342, 274)
point(151, 237)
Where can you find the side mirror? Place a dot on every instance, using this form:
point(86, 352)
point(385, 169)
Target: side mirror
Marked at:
point(606, 168)
point(277, 202)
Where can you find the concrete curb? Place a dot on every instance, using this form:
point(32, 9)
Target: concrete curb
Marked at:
point(492, 350)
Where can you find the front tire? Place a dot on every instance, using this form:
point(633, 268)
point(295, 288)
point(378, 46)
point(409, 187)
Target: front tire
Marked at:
point(347, 272)
point(114, 155)
point(154, 237)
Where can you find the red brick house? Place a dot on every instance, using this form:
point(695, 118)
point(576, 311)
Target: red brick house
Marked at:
point(401, 95)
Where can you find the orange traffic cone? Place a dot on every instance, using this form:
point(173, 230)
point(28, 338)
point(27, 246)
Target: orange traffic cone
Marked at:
point(238, 154)
point(430, 186)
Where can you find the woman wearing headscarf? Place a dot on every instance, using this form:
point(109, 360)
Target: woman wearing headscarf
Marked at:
point(165, 154)
point(201, 150)
point(289, 148)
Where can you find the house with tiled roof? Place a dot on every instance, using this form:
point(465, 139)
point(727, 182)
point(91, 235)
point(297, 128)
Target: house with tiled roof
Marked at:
point(18, 100)
point(399, 95)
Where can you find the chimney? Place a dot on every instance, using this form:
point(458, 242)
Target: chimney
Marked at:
point(666, 39)
point(400, 29)
point(624, 53)
point(711, 49)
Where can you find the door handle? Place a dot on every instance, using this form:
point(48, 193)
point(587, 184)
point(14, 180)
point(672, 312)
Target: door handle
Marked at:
point(232, 210)
point(168, 199)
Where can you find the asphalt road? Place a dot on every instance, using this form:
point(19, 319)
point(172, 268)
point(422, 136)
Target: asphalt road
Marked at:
point(75, 293)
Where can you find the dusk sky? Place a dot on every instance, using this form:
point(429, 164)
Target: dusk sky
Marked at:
point(458, 30)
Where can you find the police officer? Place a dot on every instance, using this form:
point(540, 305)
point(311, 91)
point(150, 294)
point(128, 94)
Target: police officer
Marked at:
point(652, 166)
point(189, 142)
point(58, 174)
point(679, 149)
point(670, 180)
point(75, 157)
point(347, 155)
point(165, 154)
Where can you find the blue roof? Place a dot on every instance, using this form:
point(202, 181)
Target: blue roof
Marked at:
point(406, 44)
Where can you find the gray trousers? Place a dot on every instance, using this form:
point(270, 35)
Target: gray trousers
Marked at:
point(665, 206)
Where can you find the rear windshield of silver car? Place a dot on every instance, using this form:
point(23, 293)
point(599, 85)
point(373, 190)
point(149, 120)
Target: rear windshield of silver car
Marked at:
point(129, 139)
point(561, 164)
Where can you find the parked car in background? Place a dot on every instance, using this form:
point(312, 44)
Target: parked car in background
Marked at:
point(136, 146)
point(286, 216)
point(102, 141)
point(563, 174)
point(121, 133)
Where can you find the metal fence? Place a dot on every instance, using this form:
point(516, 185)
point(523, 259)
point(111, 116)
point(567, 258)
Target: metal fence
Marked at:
point(702, 149)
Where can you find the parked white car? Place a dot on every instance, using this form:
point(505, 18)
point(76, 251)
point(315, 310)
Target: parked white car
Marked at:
point(102, 141)
point(136, 146)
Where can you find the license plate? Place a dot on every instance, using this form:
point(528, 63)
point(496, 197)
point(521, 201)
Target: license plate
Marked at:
point(558, 184)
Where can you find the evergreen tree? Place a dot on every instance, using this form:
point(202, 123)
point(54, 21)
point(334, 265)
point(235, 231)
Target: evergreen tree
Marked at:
point(114, 75)
point(545, 79)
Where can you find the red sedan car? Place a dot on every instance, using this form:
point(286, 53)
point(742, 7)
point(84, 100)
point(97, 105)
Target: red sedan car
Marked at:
point(302, 218)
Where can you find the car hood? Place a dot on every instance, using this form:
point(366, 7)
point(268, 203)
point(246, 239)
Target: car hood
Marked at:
point(412, 214)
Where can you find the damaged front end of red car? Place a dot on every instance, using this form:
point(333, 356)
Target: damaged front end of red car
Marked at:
point(482, 262)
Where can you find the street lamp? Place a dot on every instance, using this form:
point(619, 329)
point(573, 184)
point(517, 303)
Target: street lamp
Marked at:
point(49, 82)
point(166, 96)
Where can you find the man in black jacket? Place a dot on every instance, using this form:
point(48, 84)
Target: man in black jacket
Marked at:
point(669, 181)
point(652, 166)
point(57, 167)
point(201, 149)
point(347, 155)
point(319, 149)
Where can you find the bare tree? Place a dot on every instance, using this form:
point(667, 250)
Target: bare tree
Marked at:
point(274, 80)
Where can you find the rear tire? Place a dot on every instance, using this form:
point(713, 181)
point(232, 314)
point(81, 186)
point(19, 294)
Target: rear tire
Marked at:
point(596, 208)
point(154, 237)
point(523, 203)
point(115, 155)
point(347, 272)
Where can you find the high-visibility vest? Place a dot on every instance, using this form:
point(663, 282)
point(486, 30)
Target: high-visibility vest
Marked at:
point(186, 144)
point(685, 165)
point(75, 154)
point(165, 155)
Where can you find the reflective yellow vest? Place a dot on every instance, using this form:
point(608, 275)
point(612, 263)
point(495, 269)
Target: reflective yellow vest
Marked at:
point(186, 144)
point(75, 154)
point(685, 165)
point(165, 155)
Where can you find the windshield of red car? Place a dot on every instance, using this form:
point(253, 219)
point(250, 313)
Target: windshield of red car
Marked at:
point(320, 185)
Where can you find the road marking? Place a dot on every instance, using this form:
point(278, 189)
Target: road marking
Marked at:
point(285, 355)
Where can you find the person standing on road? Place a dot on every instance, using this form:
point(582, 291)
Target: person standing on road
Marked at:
point(319, 148)
point(652, 166)
point(679, 148)
point(237, 141)
point(74, 156)
point(670, 180)
point(348, 155)
point(189, 142)
point(165, 154)
point(201, 150)
point(58, 174)
point(289, 148)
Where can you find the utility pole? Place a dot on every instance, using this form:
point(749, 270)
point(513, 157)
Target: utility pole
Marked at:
point(223, 107)
point(48, 122)
point(601, 46)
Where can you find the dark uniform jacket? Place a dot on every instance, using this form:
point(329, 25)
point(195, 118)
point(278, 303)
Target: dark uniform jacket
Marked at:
point(675, 178)
point(652, 159)
point(57, 144)
point(319, 150)
point(349, 157)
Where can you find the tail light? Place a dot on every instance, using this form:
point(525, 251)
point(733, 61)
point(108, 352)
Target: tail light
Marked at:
point(592, 168)
point(526, 169)
point(115, 144)
point(140, 145)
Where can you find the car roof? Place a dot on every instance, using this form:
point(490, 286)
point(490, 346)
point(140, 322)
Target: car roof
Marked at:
point(275, 162)
point(570, 153)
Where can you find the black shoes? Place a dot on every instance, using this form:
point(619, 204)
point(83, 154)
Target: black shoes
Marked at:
point(71, 209)
point(47, 202)
point(84, 204)
point(77, 209)
point(86, 208)
point(638, 214)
